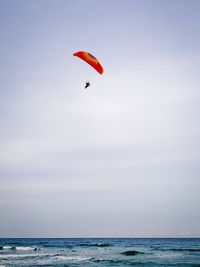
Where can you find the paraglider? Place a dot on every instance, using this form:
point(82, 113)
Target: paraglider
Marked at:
point(90, 59)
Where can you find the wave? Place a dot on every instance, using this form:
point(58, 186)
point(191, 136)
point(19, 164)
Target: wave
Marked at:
point(21, 248)
point(132, 252)
point(118, 262)
point(107, 260)
point(186, 249)
point(10, 256)
point(94, 245)
point(6, 247)
point(48, 245)
point(178, 249)
point(26, 248)
point(70, 258)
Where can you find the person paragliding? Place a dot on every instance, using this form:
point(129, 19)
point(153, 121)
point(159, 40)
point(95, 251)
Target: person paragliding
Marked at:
point(92, 61)
point(87, 85)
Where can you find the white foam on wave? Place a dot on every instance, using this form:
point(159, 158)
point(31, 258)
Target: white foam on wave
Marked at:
point(11, 256)
point(25, 248)
point(8, 247)
point(168, 255)
point(68, 258)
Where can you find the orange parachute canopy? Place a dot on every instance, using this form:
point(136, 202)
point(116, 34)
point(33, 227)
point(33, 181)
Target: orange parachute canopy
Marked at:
point(90, 59)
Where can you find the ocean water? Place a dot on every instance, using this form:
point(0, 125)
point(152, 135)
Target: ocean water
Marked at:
point(96, 252)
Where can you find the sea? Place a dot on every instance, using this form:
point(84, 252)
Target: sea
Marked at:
point(96, 252)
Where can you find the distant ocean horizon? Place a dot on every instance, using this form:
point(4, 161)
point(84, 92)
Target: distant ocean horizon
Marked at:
point(96, 252)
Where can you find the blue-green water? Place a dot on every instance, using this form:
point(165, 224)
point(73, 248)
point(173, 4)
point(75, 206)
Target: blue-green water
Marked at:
point(95, 252)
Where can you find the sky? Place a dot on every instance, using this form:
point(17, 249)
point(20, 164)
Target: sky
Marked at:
point(121, 159)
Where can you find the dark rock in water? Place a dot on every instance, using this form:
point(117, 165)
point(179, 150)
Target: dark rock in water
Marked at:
point(131, 253)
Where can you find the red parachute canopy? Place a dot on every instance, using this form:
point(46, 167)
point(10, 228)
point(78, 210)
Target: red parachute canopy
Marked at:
point(90, 59)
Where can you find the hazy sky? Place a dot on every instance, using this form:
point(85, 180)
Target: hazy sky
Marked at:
point(121, 159)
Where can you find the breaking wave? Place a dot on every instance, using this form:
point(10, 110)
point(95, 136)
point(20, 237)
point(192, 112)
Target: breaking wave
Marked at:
point(19, 248)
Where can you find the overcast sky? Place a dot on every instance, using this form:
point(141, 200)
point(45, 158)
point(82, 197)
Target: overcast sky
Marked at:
point(121, 159)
